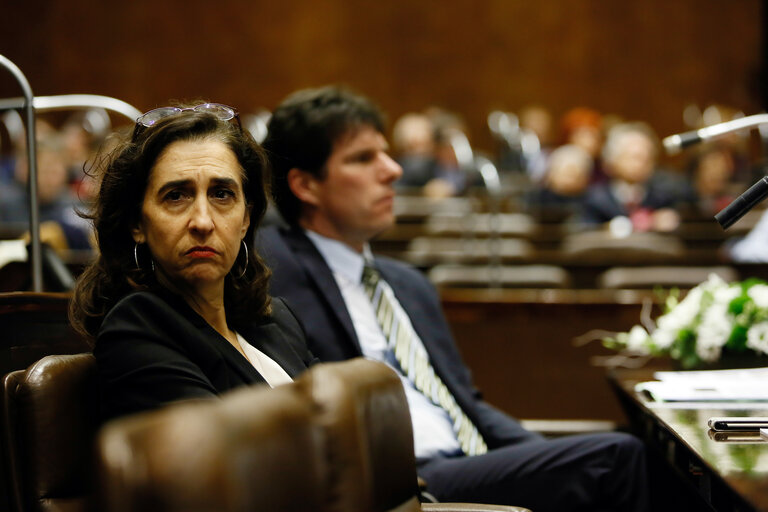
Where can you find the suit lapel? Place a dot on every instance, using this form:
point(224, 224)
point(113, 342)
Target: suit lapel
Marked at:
point(320, 275)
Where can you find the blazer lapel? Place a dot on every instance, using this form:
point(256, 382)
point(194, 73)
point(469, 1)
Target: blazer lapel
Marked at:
point(320, 274)
point(229, 354)
point(271, 340)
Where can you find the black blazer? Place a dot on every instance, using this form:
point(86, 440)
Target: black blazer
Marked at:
point(153, 349)
point(302, 277)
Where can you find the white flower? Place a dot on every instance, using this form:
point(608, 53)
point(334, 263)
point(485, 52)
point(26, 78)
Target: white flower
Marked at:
point(713, 331)
point(759, 295)
point(683, 315)
point(637, 339)
point(663, 338)
point(757, 337)
point(726, 295)
point(713, 281)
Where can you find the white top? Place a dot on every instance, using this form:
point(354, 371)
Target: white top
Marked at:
point(753, 248)
point(265, 365)
point(432, 427)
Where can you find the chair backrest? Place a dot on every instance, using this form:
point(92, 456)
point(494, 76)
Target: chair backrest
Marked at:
point(637, 248)
point(257, 449)
point(337, 439)
point(34, 325)
point(499, 276)
point(685, 277)
point(362, 408)
point(50, 417)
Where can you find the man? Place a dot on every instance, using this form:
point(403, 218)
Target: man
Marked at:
point(333, 185)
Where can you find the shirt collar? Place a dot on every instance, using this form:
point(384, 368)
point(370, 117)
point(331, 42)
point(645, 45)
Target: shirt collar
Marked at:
point(340, 257)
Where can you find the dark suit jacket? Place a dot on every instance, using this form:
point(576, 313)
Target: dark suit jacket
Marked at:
point(302, 277)
point(601, 205)
point(153, 349)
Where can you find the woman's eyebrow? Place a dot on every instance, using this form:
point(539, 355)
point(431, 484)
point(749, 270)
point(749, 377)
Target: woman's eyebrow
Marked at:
point(173, 184)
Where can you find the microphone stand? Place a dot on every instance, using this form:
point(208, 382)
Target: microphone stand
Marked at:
point(31, 104)
point(674, 143)
point(754, 194)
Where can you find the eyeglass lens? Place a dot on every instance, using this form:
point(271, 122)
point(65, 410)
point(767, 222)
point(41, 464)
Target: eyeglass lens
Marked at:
point(223, 112)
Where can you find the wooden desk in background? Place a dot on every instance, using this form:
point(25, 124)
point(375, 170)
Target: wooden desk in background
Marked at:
point(519, 346)
point(726, 475)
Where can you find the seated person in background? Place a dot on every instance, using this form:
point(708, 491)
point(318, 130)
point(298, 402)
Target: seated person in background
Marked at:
point(413, 138)
point(333, 183)
point(752, 248)
point(583, 127)
point(83, 133)
point(57, 204)
point(710, 174)
point(176, 302)
point(561, 194)
point(629, 159)
point(537, 120)
point(454, 172)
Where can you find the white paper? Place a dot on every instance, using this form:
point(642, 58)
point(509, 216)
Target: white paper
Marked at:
point(742, 385)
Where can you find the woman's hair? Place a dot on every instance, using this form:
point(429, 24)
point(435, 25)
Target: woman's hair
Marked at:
point(123, 173)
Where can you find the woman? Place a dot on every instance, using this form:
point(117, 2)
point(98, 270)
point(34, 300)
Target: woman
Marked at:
point(177, 303)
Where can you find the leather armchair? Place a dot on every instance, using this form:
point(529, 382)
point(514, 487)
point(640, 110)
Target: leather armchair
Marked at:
point(338, 439)
point(50, 417)
point(362, 408)
point(257, 449)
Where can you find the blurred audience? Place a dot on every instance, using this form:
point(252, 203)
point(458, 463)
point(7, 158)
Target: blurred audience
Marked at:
point(535, 140)
point(435, 153)
point(583, 127)
point(710, 176)
point(561, 193)
point(56, 202)
point(633, 192)
point(413, 146)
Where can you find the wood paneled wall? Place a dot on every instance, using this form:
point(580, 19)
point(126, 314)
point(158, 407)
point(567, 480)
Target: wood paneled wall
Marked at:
point(637, 58)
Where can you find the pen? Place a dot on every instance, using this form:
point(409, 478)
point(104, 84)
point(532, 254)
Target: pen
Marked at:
point(738, 423)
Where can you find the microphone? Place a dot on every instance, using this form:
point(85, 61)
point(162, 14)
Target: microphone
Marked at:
point(674, 143)
point(742, 204)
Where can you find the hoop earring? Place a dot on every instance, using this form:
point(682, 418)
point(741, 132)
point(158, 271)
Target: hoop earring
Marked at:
point(245, 265)
point(136, 257)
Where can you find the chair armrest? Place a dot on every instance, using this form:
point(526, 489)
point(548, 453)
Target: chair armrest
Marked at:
point(469, 507)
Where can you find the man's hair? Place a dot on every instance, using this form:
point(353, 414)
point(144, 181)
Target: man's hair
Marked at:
point(302, 132)
point(616, 138)
point(123, 173)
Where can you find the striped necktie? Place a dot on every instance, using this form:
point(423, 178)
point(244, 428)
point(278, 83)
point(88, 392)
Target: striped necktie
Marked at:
point(414, 360)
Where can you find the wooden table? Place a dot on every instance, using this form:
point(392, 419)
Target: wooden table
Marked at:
point(727, 473)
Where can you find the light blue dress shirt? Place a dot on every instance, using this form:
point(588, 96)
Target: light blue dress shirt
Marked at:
point(432, 427)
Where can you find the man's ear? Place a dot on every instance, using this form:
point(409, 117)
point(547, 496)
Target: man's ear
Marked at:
point(303, 185)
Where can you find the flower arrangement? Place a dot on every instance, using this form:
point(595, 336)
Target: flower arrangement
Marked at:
point(713, 318)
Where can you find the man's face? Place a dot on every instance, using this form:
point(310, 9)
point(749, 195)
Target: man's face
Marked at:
point(353, 203)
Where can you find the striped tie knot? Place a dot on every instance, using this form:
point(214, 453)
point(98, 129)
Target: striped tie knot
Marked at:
point(370, 279)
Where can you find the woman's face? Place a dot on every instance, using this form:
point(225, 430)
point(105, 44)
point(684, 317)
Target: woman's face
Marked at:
point(194, 214)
